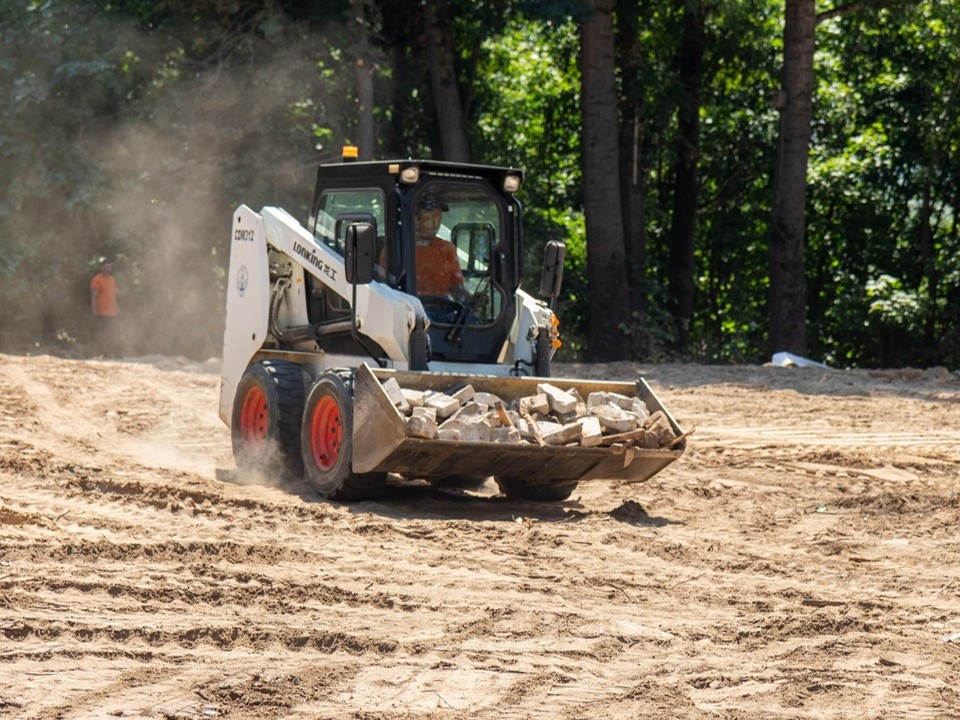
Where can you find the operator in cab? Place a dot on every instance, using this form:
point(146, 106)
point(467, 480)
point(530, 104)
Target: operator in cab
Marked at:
point(438, 267)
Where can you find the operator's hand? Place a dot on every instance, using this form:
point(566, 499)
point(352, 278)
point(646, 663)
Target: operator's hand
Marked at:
point(479, 303)
point(461, 295)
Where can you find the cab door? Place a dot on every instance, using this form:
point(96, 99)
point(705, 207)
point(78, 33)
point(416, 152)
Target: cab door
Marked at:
point(478, 223)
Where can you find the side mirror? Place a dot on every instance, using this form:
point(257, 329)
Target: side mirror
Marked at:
point(552, 277)
point(360, 253)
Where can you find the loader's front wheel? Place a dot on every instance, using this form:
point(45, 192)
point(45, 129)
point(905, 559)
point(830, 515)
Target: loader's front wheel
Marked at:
point(267, 409)
point(326, 443)
point(521, 489)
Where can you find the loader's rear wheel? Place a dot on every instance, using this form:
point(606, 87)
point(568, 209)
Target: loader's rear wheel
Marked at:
point(525, 490)
point(267, 410)
point(326, 442)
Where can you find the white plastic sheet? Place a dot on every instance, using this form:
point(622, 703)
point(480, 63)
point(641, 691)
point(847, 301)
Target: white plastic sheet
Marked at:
point(785, 359)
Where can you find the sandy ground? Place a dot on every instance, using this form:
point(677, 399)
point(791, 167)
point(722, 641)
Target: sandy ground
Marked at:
point(801, 560)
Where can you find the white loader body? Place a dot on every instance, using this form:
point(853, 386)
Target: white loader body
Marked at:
point(384, 315)
point(331, 325)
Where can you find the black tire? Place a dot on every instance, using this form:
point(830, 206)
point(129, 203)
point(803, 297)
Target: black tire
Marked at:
point(326, 442)
point(520, 489)
point(265, 424)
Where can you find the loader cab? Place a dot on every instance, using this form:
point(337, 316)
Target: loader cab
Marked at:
point(447, 233)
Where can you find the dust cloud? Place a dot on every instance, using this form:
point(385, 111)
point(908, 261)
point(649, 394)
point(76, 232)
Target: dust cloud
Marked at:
point(162, 176)
point(204, 150)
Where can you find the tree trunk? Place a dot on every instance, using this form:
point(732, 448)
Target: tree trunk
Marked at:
point(400, 98)
point(929, 265)
point(366, 140)
point(401, 34)
point(609, 305)
point(633, 162)
point(363, 67)
point(788, 290)
point(443, 80)
point(680, 270)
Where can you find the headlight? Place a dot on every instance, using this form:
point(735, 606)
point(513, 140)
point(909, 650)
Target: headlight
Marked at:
point(511, 183)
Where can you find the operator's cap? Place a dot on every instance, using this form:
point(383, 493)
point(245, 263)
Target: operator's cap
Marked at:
point(431, 202)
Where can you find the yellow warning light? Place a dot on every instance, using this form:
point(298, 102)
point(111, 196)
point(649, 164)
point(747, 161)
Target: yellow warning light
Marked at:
point(350, 152)
point(554, 320)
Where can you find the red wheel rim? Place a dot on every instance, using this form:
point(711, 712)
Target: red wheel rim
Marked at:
point(254, 417)
point(326, 433)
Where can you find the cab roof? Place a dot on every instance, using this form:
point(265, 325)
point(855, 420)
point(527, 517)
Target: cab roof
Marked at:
point(376, 169)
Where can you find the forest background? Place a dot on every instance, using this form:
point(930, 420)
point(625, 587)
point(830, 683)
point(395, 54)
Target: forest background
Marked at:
point(732, 177)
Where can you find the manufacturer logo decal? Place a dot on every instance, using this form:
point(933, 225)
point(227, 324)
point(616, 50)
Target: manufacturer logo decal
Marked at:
point(311, 258)
point(243, 280)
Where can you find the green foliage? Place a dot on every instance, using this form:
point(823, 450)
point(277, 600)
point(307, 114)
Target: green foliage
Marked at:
point(886, 138)
point(531, 120)
point(892, 305)
point(530, 117)
point(737, 140)
point(132, 127)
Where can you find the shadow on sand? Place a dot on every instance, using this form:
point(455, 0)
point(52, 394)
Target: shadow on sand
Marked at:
point(417, 500)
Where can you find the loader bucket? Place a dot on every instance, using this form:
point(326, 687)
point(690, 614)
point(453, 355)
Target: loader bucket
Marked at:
point(380, 443)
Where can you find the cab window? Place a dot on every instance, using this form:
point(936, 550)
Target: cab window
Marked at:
point(336, 203)
point(458, 228)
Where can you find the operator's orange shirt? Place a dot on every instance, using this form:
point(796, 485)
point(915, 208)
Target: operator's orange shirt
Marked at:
point(438, 268)
point(106, 287)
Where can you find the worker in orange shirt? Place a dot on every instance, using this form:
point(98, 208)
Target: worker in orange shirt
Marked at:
point(103, 305)
point(438, 267)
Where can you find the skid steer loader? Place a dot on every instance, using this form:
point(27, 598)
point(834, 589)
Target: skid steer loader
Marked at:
point(321, 320)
